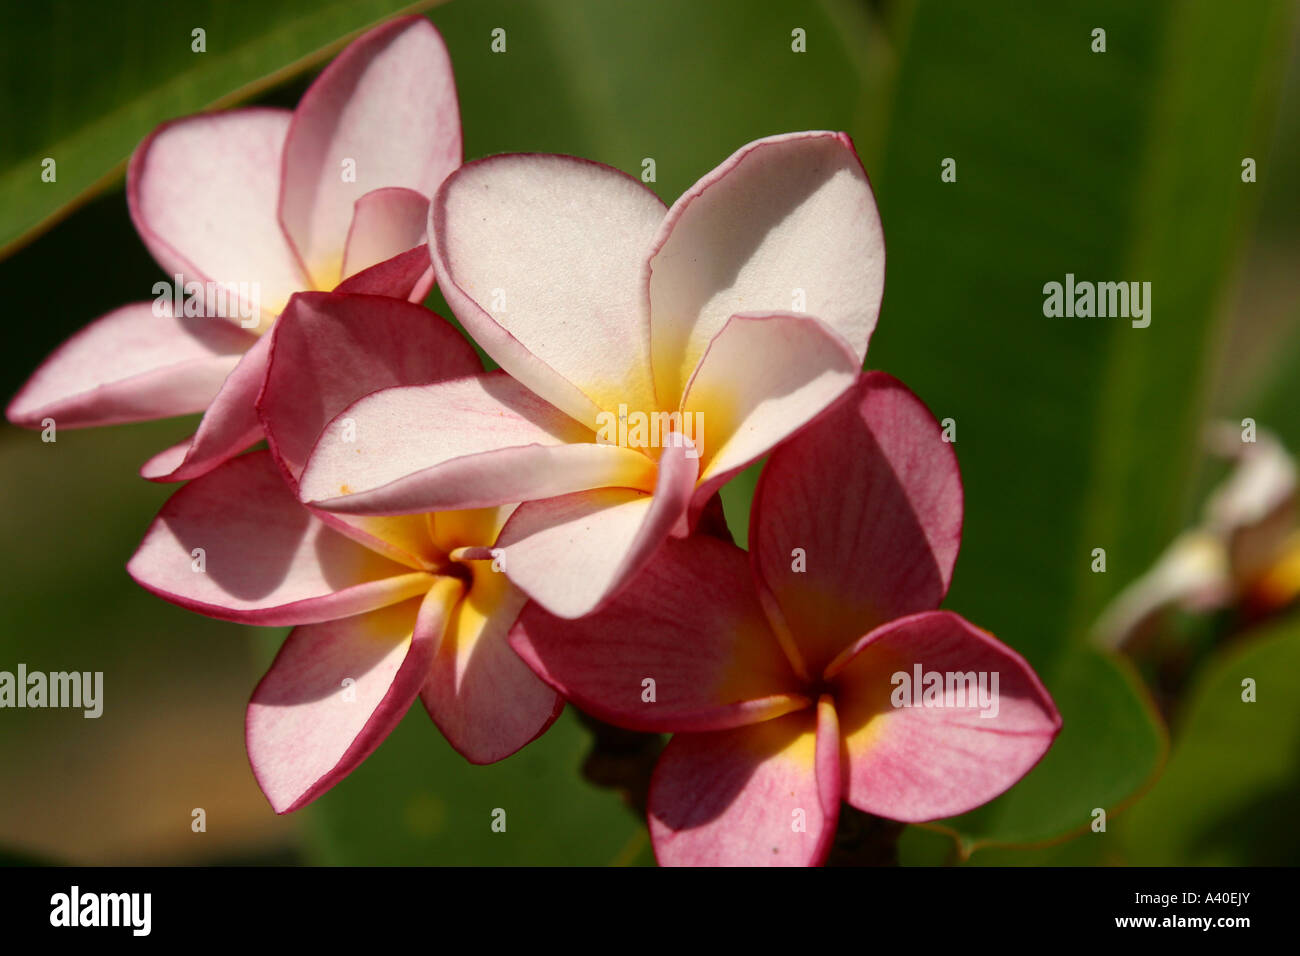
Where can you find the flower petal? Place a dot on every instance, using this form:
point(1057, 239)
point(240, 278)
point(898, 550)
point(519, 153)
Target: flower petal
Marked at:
point(484, 699)
point(407, 275)
point(330, 349)
point(265, 559)
point(572, 553)
point(915, 763)
point(763, 795)
point(335, 691)
point(540, 258)
point(784, 218)
point(385, 110)
point(857, 520)
point(228, 427)
point(1193, 572)
point(131, 365)
point(386, 223)
point(762, 378)
point(202, 193)
point(712, 665)
point(469, 443)
point(167, 460)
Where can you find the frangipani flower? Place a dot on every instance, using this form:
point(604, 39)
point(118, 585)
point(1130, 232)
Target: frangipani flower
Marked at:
point(384, 609)
point(1245, 550)
point(243, 208)
point(745, 308)
point(815, 669)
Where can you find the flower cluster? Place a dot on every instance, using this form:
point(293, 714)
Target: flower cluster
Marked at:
point(497, 543)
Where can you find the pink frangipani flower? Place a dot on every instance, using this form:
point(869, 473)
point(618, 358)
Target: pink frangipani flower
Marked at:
point(242, 209)
point(385, 609)
point(724, 324)
point(815, 669)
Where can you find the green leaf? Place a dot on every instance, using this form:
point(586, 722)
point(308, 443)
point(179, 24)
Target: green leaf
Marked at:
point(677, 81)
point(85, 82)
point(1229, 794)
point(1079, 433)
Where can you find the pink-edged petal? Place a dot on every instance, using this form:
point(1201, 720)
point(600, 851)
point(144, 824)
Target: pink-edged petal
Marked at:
point(762, 378)
point(382, 114)
point(787, 222)
point(572, 553)
point(484, 699)
point(919, 762)
point(131, 365)
point(470, 443)
point(386, 223)
point(857, 520)
point(203, 192)
point(335, 691)
point(540, 258)
point(229, 425)
point(264, 558)
point(407, 275)
point(657, 658)
point(763, 795)
point(330, 349)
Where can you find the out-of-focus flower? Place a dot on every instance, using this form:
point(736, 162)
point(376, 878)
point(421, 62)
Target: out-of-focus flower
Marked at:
point(1244, 552)
point(242, 209)
point(653, 353)
point(384, 609)
point(816, 669)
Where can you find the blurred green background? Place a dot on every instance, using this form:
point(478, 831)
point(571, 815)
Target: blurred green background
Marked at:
point(1072, 433)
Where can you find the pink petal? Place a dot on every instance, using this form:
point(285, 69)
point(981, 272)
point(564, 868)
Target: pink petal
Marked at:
point(915, 763)
point(266, 559)
point(203, 192)
point(405, 276)
point(786, 213)
point(714, 663)
point(484, 699)
point(763, 795)
point(570, 554)
point(762, 378)
point(228, 427)
point(540, 258)
point(386, 223)
point(872, 495)
point(335, 691)
point(388, 103)
point(469, 443)
point(129, 366)
point(330, 349)
point(168, 460)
